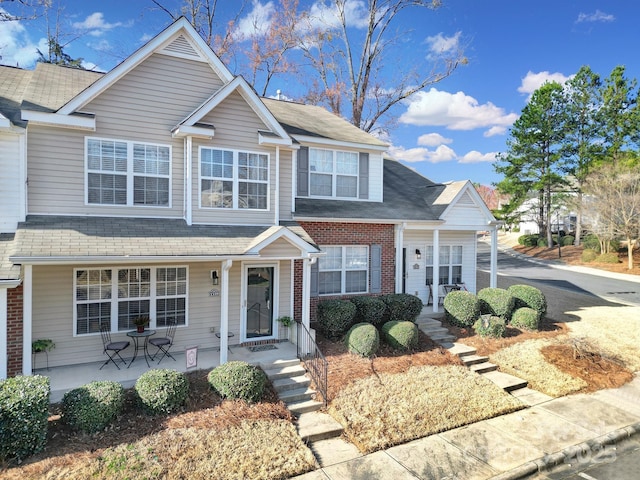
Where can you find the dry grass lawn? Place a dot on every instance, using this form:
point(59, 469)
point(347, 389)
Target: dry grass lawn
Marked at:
point(392, 408)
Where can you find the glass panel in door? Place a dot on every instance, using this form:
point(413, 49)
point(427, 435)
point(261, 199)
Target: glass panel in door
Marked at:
point(259, 302)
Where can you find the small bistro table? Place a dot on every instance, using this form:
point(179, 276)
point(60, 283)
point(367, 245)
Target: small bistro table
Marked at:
point(136, 336)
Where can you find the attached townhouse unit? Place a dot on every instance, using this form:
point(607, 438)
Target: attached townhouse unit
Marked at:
point(167, 187)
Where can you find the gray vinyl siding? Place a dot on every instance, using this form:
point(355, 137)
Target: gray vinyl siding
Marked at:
point(53, 311)
point(143, 106)
point(236, 128)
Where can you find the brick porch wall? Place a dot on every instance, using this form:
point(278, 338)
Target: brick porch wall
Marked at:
point(14, 331)
point(325, 233)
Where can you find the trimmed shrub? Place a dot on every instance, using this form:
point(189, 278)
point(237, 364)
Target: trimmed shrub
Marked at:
point(610, 257)
point(526, 318)
point(528, 240)
point(588, 255)
point(591, 242)
point(542, 242)
point(461, 308)
point(490, 326)
point(162, 390)
point(369, 310)
point(238, 380)
point(93, 406)
point(363, 339)
point(496, 301)
point(400, 335)
point(568, 240)
point(335, 317)
point(24, 410)
point(401, 307)
point(528, 296)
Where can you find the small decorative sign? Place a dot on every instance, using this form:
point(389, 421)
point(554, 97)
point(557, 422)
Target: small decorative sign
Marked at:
point(416, 266)
point(214, 293)
point(191, 356)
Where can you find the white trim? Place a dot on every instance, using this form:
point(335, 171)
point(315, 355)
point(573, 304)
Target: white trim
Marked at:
point(334, 174)
point(399, 245)
point(27, 319)
point(188, 180)
point(58, 120)
point(235, 179)
point(493, 276)
point(479, 203)
point(224, 309)
point(306, 290)
point(3, 333)
point(436, 269)
point(4, 123)
point(309, 140)
point(193, 131)
point(271, 141)
point(276, 207)
point(343, 270)
point(181, 25)
point(275, 233)
point(109, 260)
point(275, 285)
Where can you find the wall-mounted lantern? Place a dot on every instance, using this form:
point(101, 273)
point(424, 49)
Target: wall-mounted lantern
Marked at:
point(215, 280)
point(418, 254)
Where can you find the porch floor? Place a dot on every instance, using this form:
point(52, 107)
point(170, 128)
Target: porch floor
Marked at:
point(68, 377)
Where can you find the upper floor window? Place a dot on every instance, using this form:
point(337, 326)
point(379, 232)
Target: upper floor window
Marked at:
point(344, 269)
point(127, 173)
point(233, 179)
point(333, 173)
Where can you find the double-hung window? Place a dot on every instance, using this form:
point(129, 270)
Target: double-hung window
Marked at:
point(333, 173)
point(233, 179)
point(127, 173)
point(450, 258)
point(344, 269)
point(115, 296)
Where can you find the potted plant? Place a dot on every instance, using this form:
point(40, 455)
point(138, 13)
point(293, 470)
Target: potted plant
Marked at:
point(285, 321)
point(42, 345)
point(140, 322)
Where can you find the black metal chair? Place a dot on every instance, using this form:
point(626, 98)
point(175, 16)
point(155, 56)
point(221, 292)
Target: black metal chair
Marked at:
point(164, 343)
point(112, 349)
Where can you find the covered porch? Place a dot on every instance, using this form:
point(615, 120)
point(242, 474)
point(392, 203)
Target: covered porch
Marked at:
point(65, 378)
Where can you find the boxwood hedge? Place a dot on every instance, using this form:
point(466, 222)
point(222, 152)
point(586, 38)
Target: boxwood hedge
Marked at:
point(400, 335)
point(528, 296)
point(335, 317)
point(162, 390)
point(363, 339)
point(461, 308)
point(238, 380)
point(496, 301)
point(93, 406)
point(369, 310)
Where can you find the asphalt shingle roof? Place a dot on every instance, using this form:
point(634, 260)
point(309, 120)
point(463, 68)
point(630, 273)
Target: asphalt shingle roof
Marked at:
point(8, 271)
point(407, 196)
point(13, 82)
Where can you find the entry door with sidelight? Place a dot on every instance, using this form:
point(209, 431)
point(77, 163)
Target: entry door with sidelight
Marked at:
point(259, 301)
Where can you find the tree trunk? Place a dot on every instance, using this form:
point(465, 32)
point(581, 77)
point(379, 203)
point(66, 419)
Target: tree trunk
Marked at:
point(576, 242)
point(630, 253)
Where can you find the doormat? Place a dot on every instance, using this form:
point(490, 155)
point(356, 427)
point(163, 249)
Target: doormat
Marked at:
point(262, 348)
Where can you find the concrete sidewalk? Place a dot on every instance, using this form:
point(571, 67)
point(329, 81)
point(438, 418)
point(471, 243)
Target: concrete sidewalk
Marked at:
point(571, 429)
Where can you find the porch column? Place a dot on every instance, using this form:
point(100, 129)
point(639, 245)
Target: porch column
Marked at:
point(3, 333)
point(436, 270)
point(224, 310)
point(493, 276)
point(27, 320)
point(306, 290)
point(399, 231)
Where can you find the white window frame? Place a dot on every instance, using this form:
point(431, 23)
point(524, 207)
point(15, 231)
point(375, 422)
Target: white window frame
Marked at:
point(130, 173)
point(449, 264)
point(344, 269)
point(235, 179)
point(334, 173)
point(113, 298)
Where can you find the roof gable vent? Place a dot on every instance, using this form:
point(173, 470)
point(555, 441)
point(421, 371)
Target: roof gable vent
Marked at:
point(181, 47)
point(466, 199)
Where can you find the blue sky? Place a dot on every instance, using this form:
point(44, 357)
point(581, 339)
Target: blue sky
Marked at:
point(454, 129)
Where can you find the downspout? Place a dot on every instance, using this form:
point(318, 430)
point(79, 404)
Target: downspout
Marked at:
point(276, 209)
point(399, 240)
point(188, 180)
point(224, 310)
point(436, 270)
point(27, 319)
point(306, 290)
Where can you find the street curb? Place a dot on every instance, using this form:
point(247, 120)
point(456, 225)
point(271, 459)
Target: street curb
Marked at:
point(554, 459)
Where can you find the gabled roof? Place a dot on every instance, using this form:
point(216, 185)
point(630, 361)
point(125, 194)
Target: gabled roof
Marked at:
point(462, 193)
point(313, 123)
point(13, 82)
point(179, 39)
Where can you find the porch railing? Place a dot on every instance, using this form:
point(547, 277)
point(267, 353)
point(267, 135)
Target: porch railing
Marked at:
point(313, 359)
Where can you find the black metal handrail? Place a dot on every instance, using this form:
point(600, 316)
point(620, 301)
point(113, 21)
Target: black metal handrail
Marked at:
point(313, 359)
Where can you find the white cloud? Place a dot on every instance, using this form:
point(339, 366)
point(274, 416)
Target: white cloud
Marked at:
point(432, 140)
point(326, 14)
point(475, 156)
point(17, 49)
point(439, 44)
point(96, 26)
point(256, 22)
point(497, 130)
point(532, 81)
point(597, 16)
point(412, 155)
point(456, 111)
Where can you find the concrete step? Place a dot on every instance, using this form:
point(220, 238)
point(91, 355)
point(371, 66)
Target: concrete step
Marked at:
point(505, 381)
point(275, 364)
point(304, 406)
point(314, 426)
point(297, 395)
point(483, 367)
point(442, 338)
point(285, 372)
point(428, 321)
point(332, 451)
point(290, 383)
point(469, 360)
point(460, 349)
point(433, 330)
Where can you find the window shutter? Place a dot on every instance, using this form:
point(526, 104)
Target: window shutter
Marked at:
point(376, 269)
point(315, 273)
point(363, 175)
point(303, 172)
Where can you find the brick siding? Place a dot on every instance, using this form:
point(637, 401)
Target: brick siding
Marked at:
point(340, 233)
point(14, 331)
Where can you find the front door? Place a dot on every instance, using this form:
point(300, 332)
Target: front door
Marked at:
point(259, 301)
